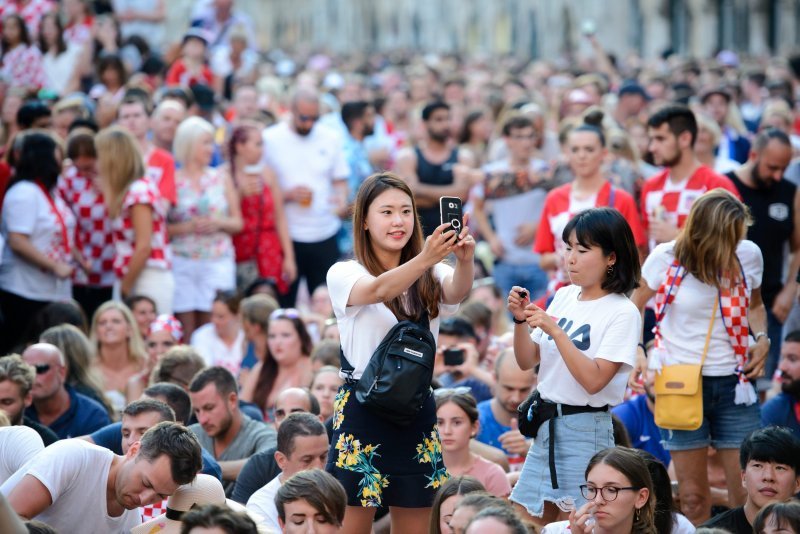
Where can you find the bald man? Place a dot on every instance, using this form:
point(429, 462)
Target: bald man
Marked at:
point(55, 403)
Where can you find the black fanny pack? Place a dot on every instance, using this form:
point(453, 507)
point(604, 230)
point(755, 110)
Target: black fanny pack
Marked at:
point(535, 411)
point(397, 380)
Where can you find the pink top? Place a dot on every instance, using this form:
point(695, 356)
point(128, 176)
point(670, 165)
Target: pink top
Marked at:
point(491, 476)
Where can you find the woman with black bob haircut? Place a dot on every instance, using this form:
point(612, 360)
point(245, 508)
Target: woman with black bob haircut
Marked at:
point(39, 253)
point(778, 517)
point(585, 344)
point(397, 274)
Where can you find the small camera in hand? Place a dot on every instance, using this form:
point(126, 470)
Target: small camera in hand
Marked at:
point(453, 356)
point(522, 294)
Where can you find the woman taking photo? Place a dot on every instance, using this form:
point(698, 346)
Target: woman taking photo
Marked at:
point(263, 247)
point(200, 225)
point(457, 420)
point(585, 344)
point(39, 230)
point(586, 149)
point(287, 363)
point(119, 350)
point(707, 285)
point(142, 261)
point(620, 494)
point(396, 275)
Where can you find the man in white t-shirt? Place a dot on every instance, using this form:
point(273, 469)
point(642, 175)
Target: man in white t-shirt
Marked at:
point(513, 194)
point(302, 444)
point(18, 444)
point(309, 160)
point(75, 486)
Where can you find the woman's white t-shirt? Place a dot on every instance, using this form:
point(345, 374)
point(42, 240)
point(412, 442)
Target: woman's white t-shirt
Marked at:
point(362, 328)
point(685, 322)
point(607, 328)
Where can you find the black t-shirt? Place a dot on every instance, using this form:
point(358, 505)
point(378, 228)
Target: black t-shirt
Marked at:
point(48, 436)
point(773, 222)
point(433, 174)
point(256, 473)
point(733, 521)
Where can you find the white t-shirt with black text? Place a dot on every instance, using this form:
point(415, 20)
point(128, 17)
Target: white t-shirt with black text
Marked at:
point(607, 328)
point(75, 472)
point(685, 323)
point(362, 328)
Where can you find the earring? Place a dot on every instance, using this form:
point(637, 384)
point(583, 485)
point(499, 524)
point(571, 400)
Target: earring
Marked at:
point(638, 514)
point(610, 269)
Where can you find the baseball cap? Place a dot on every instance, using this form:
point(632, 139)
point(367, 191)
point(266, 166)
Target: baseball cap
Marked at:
point(633, 88)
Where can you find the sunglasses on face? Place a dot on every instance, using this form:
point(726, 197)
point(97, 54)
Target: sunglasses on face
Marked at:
point(42, 368)
point(307, 118)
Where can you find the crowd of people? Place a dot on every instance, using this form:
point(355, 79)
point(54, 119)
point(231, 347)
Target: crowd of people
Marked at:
point(207, 249)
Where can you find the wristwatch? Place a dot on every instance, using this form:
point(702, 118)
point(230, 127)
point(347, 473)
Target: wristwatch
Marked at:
point(759, 335)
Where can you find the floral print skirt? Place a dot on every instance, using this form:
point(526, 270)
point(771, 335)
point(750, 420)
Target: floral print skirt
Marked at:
point(380, 463)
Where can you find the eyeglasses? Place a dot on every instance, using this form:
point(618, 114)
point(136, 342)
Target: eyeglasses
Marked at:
point(609, 493)
point(288, 313)
point(446, 392)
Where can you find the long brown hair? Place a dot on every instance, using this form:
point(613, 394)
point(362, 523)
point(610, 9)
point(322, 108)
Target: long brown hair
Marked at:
point(634, 468)
point(706, 247)
point(426, 292)
point(119, 164)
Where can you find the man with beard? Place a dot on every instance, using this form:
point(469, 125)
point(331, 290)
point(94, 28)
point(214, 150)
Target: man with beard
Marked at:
point(359, 119)
point(774, 204)
point(312, 170)
point(223, 430)
point(668, 196)
point(435, 168)
point(498, 415)
point(784, 408)
point(75, 486)
point(16, 383)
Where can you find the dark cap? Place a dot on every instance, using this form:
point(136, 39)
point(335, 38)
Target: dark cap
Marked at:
point(195, 33)
point(633, 88)
point(203, 96)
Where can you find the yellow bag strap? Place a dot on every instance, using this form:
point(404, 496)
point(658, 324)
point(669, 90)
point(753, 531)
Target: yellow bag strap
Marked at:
point(710, 328)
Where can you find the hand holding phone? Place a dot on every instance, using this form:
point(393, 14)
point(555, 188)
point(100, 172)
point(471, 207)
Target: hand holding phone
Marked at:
point(450, 211)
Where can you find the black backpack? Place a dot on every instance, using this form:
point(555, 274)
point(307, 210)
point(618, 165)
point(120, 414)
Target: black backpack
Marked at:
point(397, 380)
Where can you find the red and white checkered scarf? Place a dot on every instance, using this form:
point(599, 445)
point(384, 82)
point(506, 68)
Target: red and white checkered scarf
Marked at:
point(734, 304)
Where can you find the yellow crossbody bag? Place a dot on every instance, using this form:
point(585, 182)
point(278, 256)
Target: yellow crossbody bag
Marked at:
point(679, 390)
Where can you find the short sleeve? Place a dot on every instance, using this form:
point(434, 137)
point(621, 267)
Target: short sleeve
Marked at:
point(341, 278)
point(655, 266)
point(57, 475)
point(752, 263)
point(20, 208)
point(139, 193)
point(618, 343)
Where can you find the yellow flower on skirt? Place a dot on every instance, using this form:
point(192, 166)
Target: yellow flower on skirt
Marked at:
point(430, 451)
point(353, 458)
point(338, 407)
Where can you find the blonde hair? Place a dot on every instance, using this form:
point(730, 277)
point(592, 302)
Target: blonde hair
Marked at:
point(706, 247)
point(704, 122)
point(119, 163)
point(186, 136)
point(136, 350)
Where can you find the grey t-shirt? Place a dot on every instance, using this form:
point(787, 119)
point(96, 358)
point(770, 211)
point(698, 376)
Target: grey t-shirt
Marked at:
point(253, 437)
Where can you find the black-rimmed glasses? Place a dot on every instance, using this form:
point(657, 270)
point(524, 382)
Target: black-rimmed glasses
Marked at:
point(609, 493)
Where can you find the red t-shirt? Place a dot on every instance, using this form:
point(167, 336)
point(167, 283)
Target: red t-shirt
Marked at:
point(161, 171)
point(676, 199)
point(177, 75)
point(556, 214)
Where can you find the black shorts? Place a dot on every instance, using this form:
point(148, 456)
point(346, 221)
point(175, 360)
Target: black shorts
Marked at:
point(380, 463)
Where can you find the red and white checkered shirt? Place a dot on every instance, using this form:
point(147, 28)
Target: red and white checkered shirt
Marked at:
point(94, 232)
point(142, 191)
point(22, 67)
point(31, 12)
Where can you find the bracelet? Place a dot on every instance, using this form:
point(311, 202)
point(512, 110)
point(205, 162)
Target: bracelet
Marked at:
point(759, 335)
point(518, 321)
point(644, 349)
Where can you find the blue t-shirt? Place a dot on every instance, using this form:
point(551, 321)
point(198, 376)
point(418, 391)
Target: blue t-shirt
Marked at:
point(641, 427)
point(490, 428)
point(83, 416)
point(779, 410)
point(110, 437)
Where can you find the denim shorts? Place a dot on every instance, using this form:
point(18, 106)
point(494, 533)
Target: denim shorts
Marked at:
point(725, 423)
point(578, 438)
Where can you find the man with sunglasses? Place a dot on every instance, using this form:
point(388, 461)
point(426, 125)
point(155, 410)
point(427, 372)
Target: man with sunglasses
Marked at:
point(309, 160)
point(16, 381)
point(55, 403)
